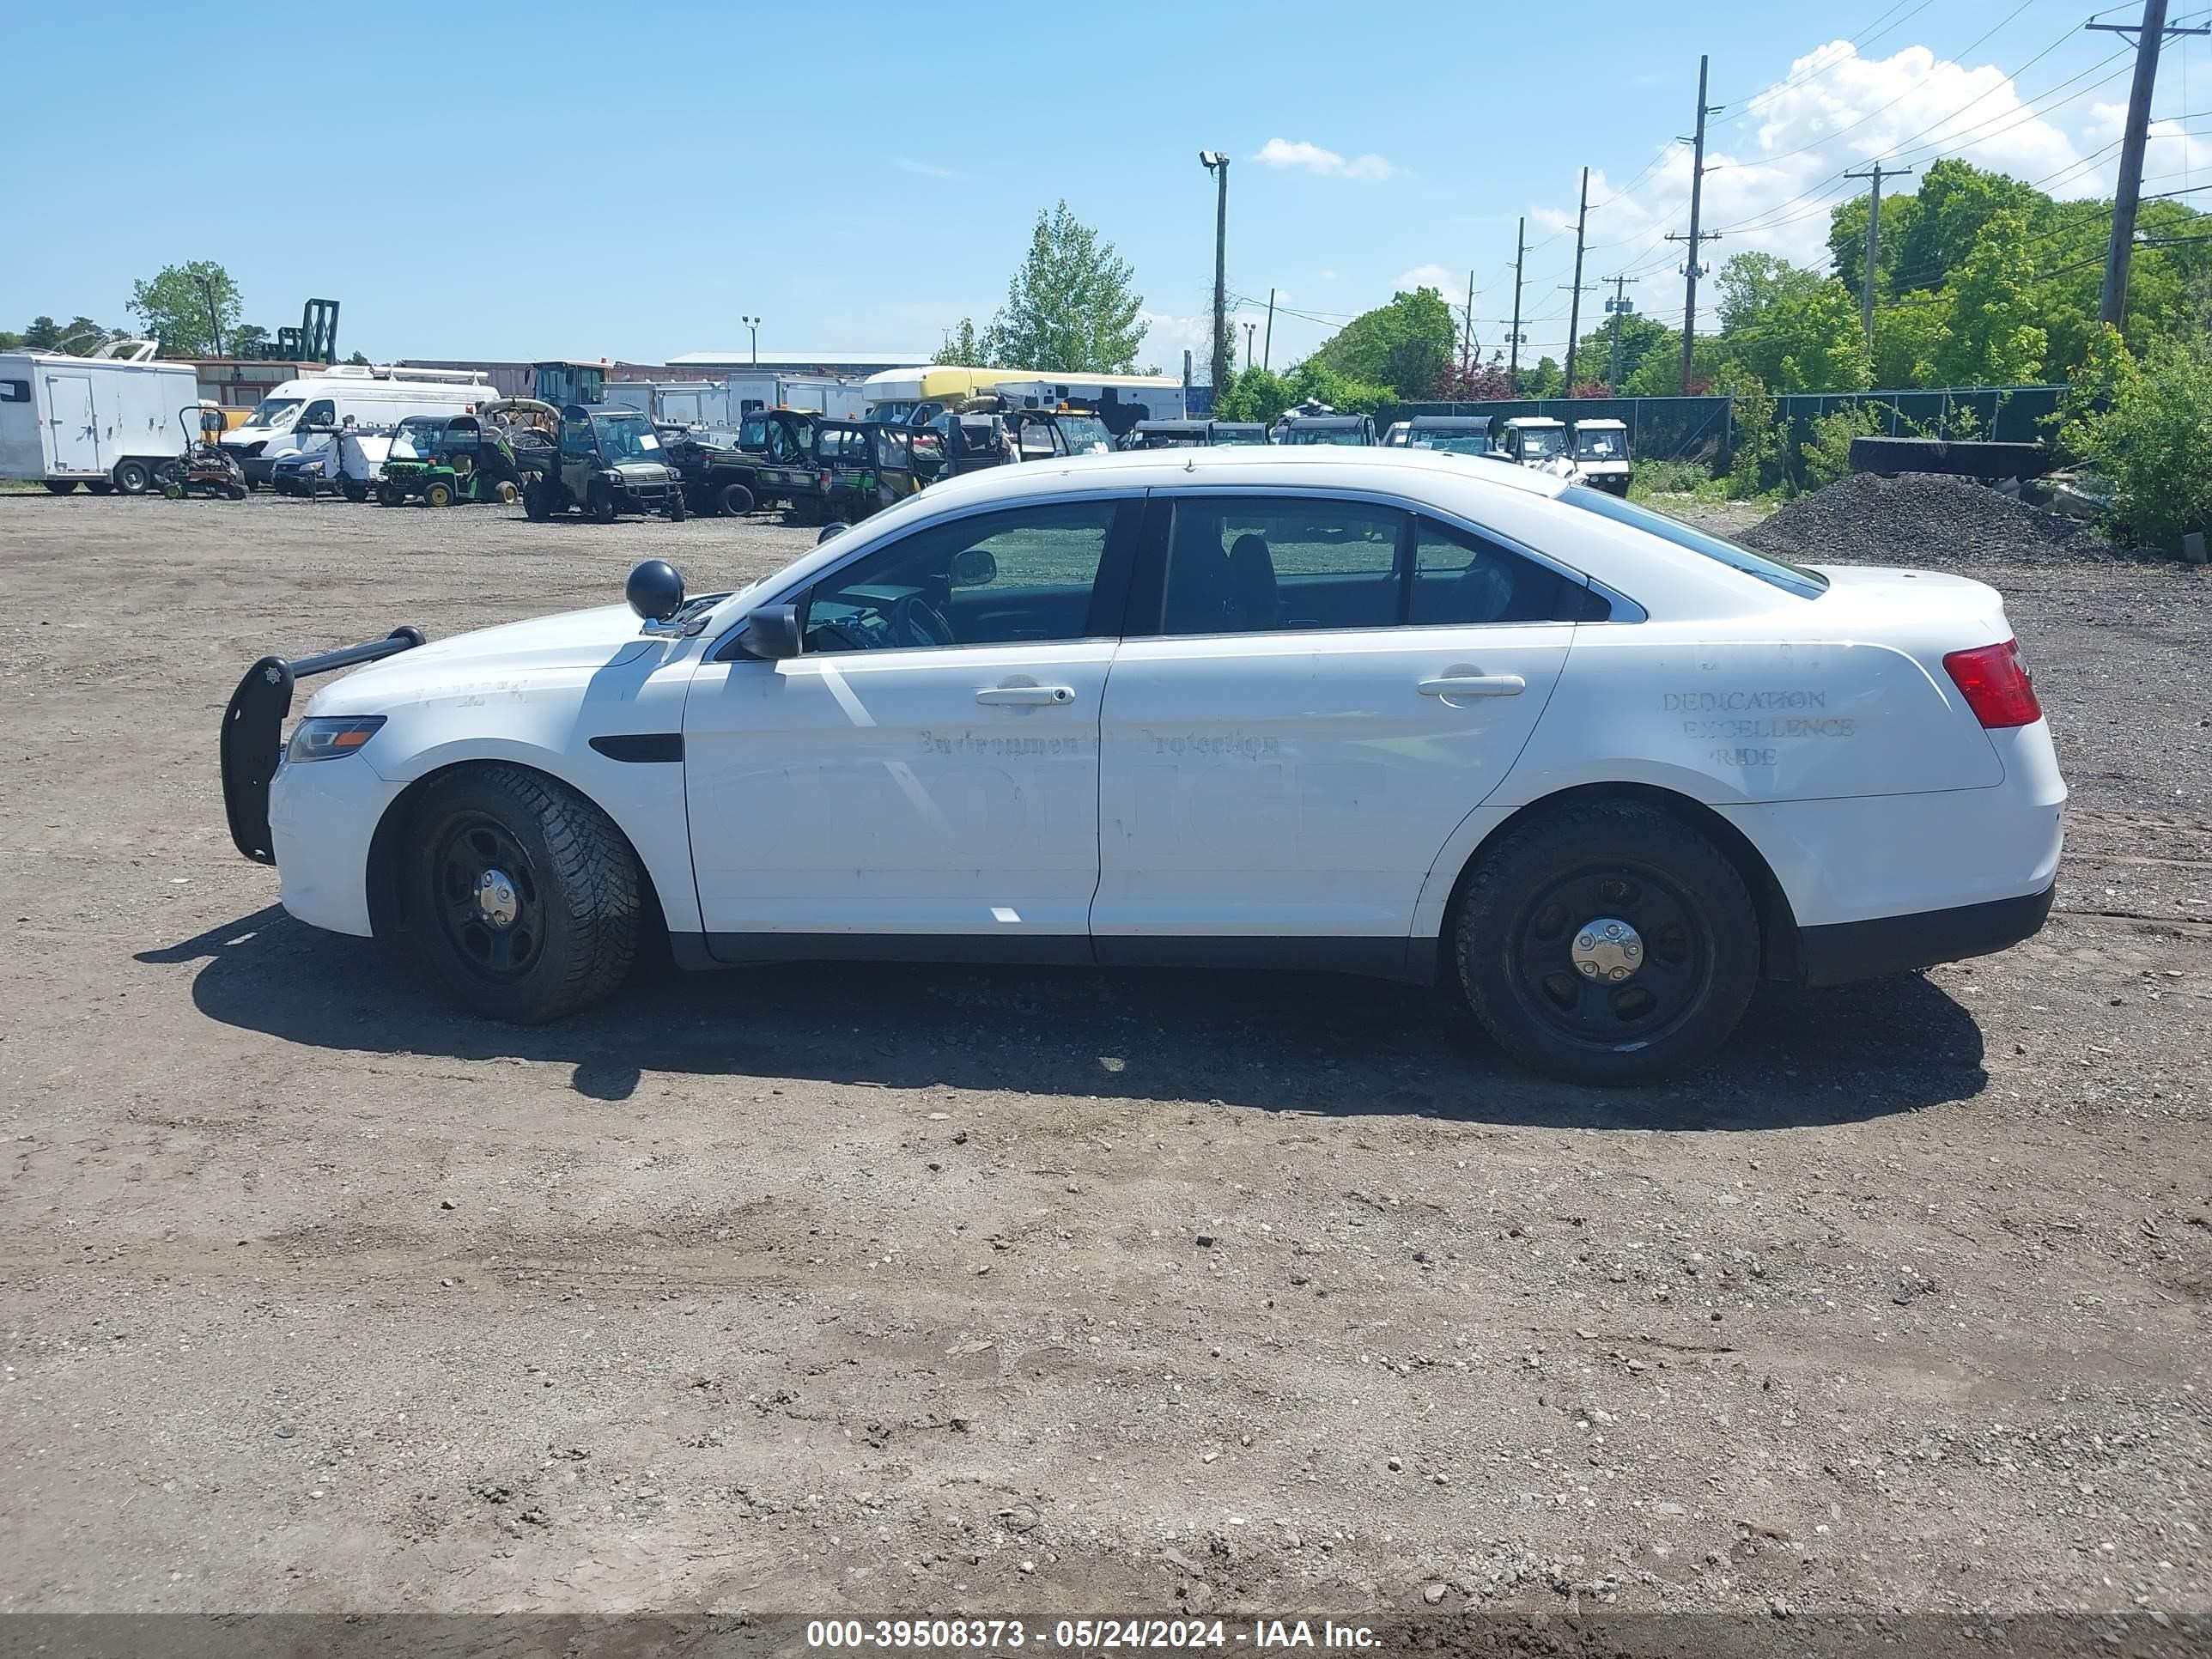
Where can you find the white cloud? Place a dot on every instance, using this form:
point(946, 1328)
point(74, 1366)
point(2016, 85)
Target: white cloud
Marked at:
point(1452, 284)
point(1297, 152)
point(1774, 171)
point(925, 169)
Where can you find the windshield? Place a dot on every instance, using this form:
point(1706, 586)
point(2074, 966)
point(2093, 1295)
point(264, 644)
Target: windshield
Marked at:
point(1601, 446)
point(1240, 435)
point(416, 438)
point(1342, 435)
point(625, 438)
point(1086, 435)
point(1453, 443)
point(1790, 578)
point(274, 411)
point(1539, 443)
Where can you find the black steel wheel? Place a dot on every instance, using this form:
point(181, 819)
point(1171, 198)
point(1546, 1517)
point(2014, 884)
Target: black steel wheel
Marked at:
point(1608, 943)
point(523, 895)
point(737, 499)
point(133, 477)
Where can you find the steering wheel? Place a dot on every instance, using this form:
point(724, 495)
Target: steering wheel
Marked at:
point(914, 620)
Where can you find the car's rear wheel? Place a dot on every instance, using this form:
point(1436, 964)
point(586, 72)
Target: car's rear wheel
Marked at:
point(1608, 943)
point(737, 499)
point(523, 894)
point(437, 493)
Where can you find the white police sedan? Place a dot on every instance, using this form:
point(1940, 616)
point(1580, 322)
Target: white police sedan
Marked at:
point(1384, 712)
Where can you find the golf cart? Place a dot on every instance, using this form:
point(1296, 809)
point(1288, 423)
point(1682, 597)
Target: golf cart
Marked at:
point(1601, 452)
point(1455, 434)
point(1043, 434)
point(608, 460)
point(1317, 423)
point(440, 459)
point(1535, 441)
point(865, 466)
point(206, 468)
point(361, 452)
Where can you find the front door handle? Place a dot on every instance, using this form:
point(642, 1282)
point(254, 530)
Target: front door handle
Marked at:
point(1022, 696)
point(1474, 685)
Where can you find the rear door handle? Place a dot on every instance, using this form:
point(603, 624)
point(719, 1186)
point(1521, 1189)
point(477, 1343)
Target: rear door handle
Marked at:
point(1474, 685)
point(1025, 696)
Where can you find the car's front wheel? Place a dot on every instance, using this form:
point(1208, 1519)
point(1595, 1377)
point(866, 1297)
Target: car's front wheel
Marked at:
point(1608, 943)
point(523, 894)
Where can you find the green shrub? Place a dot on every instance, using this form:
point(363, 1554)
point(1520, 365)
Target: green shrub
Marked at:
point(1666, 477)
point(2154, 444)
point(1756, 463)
point(1826, 455)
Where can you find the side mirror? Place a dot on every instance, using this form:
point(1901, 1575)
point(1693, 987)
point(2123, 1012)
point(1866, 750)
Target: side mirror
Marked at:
point(771, 633)
point(655, 590)
point(974, 567)
point(835, 528)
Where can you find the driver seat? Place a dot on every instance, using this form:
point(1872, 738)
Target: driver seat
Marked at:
point(1254, 597)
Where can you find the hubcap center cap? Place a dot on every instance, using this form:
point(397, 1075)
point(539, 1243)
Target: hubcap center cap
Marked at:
point(497, 902)
point(1607, 949)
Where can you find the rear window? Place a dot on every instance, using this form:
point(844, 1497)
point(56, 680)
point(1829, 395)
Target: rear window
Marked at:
point(1790, 578)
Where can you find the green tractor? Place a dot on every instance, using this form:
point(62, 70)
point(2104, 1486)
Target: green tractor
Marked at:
point(440, 459)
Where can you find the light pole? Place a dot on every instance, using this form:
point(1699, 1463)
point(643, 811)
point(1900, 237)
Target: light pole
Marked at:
point(753, 323)
point(1250, 329)
point(1217, 163)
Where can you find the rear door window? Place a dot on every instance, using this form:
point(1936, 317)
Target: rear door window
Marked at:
point(1268, 564)
point(1462, 579)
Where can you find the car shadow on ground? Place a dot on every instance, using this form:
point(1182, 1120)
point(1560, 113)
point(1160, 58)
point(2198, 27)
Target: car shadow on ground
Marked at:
point(1287, 1043)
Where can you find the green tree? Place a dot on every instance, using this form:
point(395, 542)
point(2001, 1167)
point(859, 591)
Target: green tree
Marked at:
point(2096, 385)
point(1752, 284)
point(1906, 336)
point(1955, 201)
point(1847, 229)
point(79, 337)
point(1253, 394)
point(1990, 336)
point(1640, 336)
point(1070, 309)
point(1754, 463)
point(1825, 454)
point(962, 348)
point(247, 340)
point(1406, 344)
point(1793, 329)
point(184, 306)
point(1545, 380)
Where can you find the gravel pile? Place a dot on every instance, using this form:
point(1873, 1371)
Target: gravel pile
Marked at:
point(1923, 520)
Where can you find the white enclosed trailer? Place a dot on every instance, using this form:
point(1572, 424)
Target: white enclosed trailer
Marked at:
point(676, 403)
point(108, 421)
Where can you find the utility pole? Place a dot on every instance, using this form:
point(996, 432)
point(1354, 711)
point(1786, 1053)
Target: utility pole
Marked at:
point(1619, 306)
point(1513, 364)
point(1466, 331)
point(215, 322)
point(1692, 271)
point(1217, 163)
point(1874, 176)
point(1575, 303)
point(1267, 342)
point(2112, 302)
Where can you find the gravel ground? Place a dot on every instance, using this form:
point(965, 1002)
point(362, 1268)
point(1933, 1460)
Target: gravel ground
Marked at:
point(837, 1288)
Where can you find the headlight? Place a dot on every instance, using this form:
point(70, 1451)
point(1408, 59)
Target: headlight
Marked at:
point(325, 738)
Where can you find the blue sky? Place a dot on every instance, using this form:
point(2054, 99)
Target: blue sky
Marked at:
point(589, 180)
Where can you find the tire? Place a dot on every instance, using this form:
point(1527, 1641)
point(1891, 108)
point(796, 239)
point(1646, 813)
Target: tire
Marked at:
point(100, 486)
point(737, 499)
point(437, 493)
point(61, 486)
point(354, 492)
point(573, 899)
point(391, 495)
point(678, 509)
point(535, 503)
point(132, 477)
point(174, 491)
point(1665, 997)
point(602, 503)
point(236, 492)
point(506, 494)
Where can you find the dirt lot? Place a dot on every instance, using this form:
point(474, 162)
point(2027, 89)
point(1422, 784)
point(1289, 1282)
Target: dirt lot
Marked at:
point(856, 1290)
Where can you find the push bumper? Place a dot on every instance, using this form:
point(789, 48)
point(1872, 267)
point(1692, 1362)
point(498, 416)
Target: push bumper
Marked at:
point(251, 743)
point(1843, 952)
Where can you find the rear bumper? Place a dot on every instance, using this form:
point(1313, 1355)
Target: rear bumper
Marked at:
point(1847, 951)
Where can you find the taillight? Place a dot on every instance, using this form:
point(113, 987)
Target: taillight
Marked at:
point(1995, 684)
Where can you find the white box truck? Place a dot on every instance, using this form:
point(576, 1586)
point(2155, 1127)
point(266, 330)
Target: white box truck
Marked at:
point(108, 421)
point(302, 414)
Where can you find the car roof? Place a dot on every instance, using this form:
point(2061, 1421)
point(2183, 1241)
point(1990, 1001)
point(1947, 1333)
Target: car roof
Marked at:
point(1263, 466)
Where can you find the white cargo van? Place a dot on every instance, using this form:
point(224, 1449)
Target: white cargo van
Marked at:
point(369, 395)
point(108, 421)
